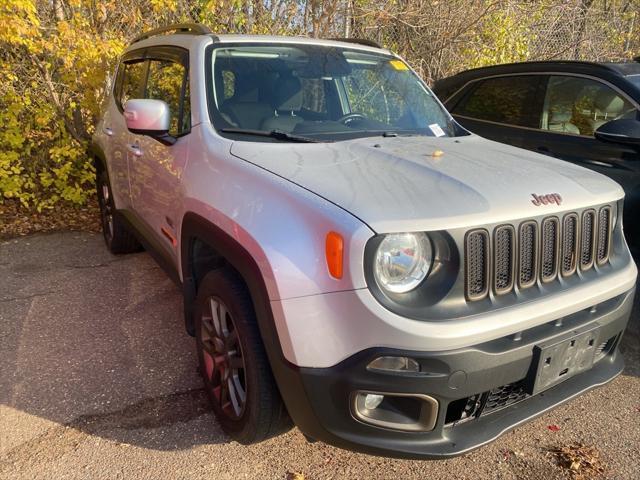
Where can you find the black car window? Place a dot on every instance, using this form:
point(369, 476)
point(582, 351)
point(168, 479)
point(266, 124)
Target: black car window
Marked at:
point(133, 77)
point(168, 82)
point(503, 99)
point(577, 105)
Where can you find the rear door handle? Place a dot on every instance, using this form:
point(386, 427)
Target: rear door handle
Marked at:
point(543, 149)
point(134, 148)
point(107, 131)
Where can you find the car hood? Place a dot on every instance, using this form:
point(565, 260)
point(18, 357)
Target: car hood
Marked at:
point(398, 184)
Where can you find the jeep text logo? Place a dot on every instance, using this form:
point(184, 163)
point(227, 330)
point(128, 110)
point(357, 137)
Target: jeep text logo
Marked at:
point(546, 199)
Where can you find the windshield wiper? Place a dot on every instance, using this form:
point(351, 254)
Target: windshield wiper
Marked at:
point(277, 134)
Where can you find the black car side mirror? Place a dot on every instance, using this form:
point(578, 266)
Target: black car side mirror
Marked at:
point(624, 131)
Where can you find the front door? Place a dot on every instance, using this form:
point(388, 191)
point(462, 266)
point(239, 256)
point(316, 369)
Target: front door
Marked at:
point(129, 84)
point(574, 107)
point(155, 168)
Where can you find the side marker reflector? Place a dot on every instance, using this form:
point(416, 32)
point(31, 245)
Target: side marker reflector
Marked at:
point(334, 253)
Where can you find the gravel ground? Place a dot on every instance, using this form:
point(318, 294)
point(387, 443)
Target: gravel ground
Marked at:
point(98, 380)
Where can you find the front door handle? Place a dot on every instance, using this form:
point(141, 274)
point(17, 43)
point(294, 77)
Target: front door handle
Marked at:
point(543, 149)
point(107, 131)
point(598, 163)
point(134, 148)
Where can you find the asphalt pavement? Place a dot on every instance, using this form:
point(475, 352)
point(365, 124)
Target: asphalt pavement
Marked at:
point(98, 380)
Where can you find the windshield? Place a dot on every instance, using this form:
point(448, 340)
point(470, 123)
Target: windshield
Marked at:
point(324, 93)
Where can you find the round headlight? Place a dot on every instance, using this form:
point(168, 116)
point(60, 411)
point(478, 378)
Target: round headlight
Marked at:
point(402, 261)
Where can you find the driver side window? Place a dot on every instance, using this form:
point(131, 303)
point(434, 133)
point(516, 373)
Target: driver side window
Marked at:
point(131, 81)
point(579, 106)
point(168, 81)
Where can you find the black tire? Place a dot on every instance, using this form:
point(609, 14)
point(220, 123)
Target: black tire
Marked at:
point(263, 413)
point(116, 235)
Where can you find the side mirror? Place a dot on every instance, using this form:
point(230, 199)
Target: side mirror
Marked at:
point(625, 131)
point(149, 117)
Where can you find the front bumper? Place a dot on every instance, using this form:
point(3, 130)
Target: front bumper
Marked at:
point(320, 400)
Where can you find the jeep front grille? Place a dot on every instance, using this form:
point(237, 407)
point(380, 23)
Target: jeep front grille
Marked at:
point(477, 266)
point(504, 250)
point(604, 234)
point(569, 244)
point(539, 251)
point(587, 240)
point(550, 239)
point(528, 253)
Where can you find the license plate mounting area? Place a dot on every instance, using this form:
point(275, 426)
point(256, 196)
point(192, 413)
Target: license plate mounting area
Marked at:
point(559, 360)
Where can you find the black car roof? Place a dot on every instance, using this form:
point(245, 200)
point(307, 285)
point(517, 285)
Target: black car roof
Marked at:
point(614, 72)
point(619, 68)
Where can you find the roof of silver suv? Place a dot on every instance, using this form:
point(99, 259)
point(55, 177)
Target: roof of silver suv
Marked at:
point(199, 29)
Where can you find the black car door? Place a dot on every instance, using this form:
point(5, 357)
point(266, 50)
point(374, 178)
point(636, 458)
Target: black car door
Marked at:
point(573, 108)
point(501, 108)
point(556, 114)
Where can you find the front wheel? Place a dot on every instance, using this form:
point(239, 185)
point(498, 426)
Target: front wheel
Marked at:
point(233, 362)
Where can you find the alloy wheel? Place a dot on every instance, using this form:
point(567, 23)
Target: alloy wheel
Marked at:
point(223, 359)
point(106, 210)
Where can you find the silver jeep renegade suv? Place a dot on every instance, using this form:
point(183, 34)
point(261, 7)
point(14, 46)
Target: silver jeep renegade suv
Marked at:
point(352, 260)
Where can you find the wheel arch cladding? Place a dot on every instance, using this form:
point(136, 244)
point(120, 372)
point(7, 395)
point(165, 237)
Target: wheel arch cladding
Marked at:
point(205, 246)
point(197, 228)
point(98, 157)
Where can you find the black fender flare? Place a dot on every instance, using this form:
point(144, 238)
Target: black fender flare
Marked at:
point(197, 227)
point(96, 153)
point(285, 373)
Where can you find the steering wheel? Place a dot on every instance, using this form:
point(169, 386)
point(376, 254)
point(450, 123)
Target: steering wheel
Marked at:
point(350, 117)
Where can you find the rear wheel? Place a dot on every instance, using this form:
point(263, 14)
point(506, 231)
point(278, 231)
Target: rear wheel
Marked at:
point(233, 363)
point(116, 235)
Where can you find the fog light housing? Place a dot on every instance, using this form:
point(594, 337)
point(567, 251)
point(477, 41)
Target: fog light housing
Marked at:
point(395, 364)
point(410, 412)
point(372, 401)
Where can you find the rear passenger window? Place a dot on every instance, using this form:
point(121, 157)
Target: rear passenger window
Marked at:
point(168, 82)
point(132, 82)
point(580, 105)
point(503, 99)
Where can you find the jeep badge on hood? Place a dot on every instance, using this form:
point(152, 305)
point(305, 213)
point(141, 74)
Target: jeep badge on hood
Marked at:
point(546, 199)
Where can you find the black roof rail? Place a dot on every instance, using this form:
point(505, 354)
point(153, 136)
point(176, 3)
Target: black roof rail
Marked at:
point(637, 59)
point(188, 28)
point(359, 41)
point(603, 65)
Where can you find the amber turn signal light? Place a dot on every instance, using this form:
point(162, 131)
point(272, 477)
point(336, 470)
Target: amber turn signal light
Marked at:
point(334, 252)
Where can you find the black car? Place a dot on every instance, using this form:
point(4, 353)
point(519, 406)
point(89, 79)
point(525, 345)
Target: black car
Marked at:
point(586, 113)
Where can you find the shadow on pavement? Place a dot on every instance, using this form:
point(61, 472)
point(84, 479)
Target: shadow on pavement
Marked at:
point(96, 343)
